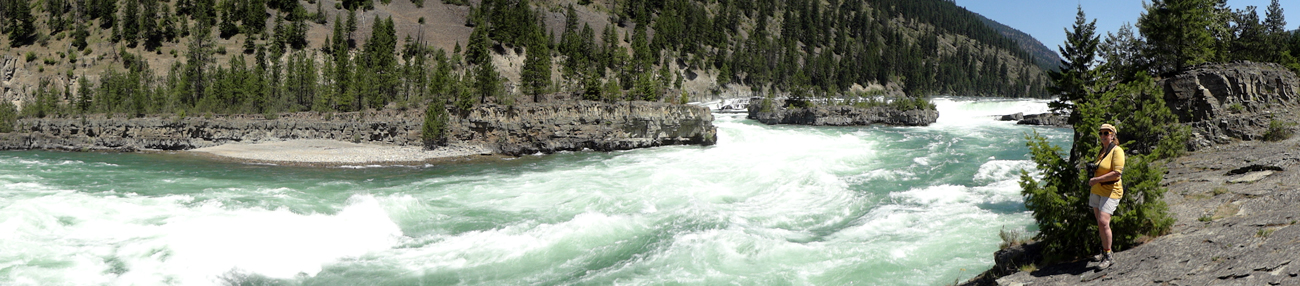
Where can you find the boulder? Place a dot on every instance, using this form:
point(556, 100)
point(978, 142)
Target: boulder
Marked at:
point(1044, 119)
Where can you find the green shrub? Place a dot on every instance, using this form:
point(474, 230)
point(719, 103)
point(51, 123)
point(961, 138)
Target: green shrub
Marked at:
point(1236, 107)
point(8, 116)
point(435, 125)
point(1012, 238)
point(1265, 232)
point(1059, 202)
point(1142, 210)
point(1279, 130)
point(31, 56)
point(767, 105)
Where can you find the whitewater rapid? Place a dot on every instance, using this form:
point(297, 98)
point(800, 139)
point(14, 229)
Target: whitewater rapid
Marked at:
point(767, 205)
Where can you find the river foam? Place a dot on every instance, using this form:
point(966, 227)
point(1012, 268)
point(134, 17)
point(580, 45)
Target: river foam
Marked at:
point(792, 205)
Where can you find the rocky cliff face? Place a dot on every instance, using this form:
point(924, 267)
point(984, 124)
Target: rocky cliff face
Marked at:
point(842, 116)
point(1223, 102)
point(521, 129)
point(578, 125)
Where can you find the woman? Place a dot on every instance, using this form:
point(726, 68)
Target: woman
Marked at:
point(1107, 188)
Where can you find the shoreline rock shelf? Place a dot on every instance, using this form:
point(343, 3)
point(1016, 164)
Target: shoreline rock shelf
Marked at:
point(1041, 119)
point(508, 130)
point(838, 115)
point(1237, 224)
point(1233, 196)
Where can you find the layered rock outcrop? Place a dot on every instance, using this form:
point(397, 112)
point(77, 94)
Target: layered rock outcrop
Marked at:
point(578, 125)
point(839, 115)
point(1039, 119)
point(1231, 101)
point(512, 130)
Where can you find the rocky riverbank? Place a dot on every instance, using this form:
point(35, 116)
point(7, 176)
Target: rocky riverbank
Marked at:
point(1235, 206)
point(1234, 197)
point(840, 115)
point(509, 130)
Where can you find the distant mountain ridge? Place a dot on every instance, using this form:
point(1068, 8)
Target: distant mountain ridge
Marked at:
point(1043, 55)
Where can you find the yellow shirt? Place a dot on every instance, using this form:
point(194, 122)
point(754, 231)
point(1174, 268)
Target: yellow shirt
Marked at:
point(1112, 162)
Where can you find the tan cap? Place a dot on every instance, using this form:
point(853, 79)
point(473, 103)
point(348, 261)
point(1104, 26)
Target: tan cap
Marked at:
point(1108, 127)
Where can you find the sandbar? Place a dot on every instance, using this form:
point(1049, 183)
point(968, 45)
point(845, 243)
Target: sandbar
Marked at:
point(320, 152)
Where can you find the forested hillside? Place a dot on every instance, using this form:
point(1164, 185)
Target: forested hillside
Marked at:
point(1043, 56)
point(260, 56)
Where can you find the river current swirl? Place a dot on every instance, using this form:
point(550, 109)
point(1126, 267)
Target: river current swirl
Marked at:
point(767, 205)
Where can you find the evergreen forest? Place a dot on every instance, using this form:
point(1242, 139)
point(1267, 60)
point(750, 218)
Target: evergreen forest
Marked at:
point(143, 57)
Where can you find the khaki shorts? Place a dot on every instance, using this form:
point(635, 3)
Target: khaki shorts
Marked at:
point(1105, 204)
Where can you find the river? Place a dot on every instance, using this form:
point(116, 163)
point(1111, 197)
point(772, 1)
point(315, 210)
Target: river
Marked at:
point(767, 205)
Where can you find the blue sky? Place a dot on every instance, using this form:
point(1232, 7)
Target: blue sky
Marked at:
point(1047, 19)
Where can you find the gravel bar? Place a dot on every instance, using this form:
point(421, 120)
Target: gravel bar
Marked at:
point(330, 152)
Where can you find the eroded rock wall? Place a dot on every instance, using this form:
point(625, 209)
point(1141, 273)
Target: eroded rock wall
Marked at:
point(842, 116)
point(578, 125)
point(513, 130)
point(1231, 101)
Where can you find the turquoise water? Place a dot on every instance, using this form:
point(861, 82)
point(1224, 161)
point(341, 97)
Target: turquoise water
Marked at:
point(767, 205)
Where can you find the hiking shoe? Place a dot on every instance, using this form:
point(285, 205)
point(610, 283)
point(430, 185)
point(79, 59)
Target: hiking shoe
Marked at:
point(1099, 257)
point(1106, 263)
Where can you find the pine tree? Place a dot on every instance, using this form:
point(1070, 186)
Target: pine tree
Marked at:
point(607, 57)
point(1274, 19)
point(1250, 37)
point(319, 16)
point(79, 37)
point(229, 15)
point(21, 26)
point(343, 68)
point(57, 20)
point(150, 30)
point(131, 22)
point(1122, 55)
point(197, 59)
point(381, 61)
point(352, 28)
point(1075, 79)
point(435, 125)
point(536, 74)
point(642, 57)
point(1277, 35)
point(1177, 33)
point(487, 81)
point(254, 16)
point(477, 51)
point(84, 94)
point(440, 81)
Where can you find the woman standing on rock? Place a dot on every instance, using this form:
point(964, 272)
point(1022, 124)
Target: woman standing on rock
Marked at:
point(1107, 188)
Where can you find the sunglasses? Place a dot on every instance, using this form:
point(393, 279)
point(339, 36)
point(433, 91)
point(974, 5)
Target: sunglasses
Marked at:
point(1104, 133)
